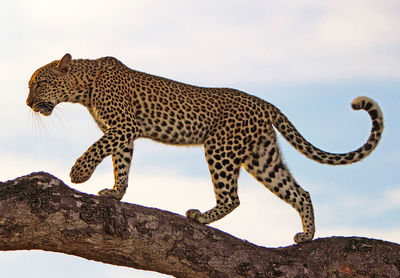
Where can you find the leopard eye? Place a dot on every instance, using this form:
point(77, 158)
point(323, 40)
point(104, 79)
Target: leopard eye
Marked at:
point(39, 83)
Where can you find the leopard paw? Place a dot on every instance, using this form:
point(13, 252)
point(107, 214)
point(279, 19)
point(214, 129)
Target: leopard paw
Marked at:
point(81, 171)
point(111, 193)
point(197, 216)
point(303, 237)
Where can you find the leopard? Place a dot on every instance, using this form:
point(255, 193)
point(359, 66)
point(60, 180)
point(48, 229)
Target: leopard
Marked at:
point(236, 129)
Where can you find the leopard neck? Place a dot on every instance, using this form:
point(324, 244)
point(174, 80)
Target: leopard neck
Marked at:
point(83, 74)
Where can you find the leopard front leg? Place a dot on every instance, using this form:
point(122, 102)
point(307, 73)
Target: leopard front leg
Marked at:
point(224, 173)
point(121, 162)
point(114, 142)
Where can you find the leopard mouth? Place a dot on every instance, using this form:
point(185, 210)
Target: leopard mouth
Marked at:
point(44, 108)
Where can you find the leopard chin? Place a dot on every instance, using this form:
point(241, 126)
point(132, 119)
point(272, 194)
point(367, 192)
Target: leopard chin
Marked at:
point(46, 113)
point(44, 108)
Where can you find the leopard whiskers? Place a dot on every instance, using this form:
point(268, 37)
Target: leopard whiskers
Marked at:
point(39, 126)
point(59, 114)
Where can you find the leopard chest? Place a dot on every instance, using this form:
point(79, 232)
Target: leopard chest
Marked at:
point(99, 119)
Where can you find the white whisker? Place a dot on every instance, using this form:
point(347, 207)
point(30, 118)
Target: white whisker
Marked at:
point(59, 113)
point(39, 126)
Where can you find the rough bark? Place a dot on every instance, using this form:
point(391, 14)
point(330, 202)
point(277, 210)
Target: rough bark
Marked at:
point(39, 211)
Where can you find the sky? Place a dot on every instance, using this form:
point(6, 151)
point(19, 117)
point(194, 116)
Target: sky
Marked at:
point(309, 58)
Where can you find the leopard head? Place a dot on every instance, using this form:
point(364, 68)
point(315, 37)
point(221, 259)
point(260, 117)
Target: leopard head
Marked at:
point(50, 85)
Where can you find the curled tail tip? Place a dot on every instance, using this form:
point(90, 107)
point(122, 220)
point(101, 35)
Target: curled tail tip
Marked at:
point(369, 105)
point(364, 103)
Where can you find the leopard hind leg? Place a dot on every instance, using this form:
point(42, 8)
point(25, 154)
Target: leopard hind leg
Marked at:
point(265, 164)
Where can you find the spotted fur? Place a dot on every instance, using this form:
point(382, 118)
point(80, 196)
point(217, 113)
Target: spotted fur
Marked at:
point(236, 129)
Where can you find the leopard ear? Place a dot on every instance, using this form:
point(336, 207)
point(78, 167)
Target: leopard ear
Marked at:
point(63, 65)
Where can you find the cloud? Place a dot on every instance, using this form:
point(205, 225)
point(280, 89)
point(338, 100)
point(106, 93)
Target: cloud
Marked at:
point(384, 202)
point(211, 45)
point(388, 200)
point(393, 197)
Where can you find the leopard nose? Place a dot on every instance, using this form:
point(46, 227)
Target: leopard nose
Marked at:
point(29, 100)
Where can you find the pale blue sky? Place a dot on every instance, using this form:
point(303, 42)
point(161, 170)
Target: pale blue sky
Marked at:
point(309, 58)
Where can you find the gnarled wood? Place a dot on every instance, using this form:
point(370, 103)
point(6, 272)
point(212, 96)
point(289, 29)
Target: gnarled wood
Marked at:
point(39, 211)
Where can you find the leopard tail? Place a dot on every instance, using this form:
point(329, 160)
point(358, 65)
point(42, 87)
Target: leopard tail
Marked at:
point(286, 128)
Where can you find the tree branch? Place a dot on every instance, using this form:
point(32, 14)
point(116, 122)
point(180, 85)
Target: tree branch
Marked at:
point(39, 211)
